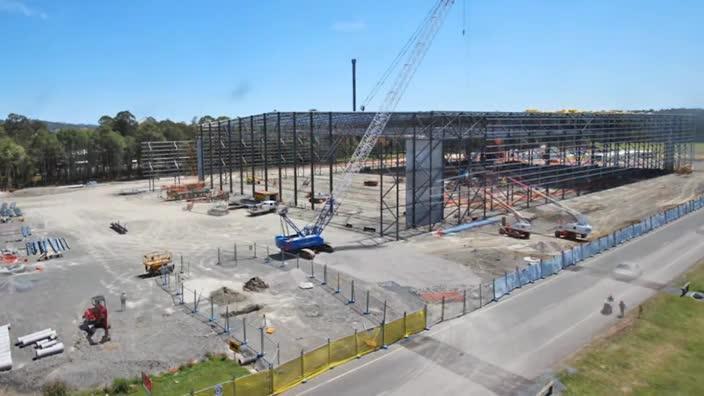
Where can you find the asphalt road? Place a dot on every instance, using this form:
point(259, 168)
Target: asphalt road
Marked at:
point(503, 348)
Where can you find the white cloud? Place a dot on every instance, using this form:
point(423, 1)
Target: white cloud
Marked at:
point(19, 7)
point(349, 26)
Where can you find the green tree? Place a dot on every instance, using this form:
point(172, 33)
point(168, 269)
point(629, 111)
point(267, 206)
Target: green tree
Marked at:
point(12, 156)
point(112, 147)
point(205, 119)
point(46, 151)
point(125, 123)
point(106, 121)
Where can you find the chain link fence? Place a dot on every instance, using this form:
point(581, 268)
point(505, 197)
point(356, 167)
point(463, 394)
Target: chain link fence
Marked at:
point(251, 336)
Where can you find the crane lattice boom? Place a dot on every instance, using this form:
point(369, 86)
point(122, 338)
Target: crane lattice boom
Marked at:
point(419, 48)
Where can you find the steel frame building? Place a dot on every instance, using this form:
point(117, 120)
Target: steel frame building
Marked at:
point(479, 156)
point(168, 159)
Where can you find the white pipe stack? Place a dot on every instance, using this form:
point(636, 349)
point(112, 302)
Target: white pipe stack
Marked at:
point(52, 350)
point(35, 337)
point(47, 343)
point(5, 352)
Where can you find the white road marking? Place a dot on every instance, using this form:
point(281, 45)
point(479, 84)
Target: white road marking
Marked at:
point(350, 371)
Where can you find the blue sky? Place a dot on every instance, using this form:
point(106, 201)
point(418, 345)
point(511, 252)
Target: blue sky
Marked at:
point(77, 60)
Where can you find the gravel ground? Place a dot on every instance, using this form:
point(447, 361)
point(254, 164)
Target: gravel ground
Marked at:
point(154, 334)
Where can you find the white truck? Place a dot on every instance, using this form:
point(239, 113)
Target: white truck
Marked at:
point(263, 207)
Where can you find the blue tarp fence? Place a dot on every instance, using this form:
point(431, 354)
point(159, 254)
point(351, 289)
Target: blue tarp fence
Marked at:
point(550, 266)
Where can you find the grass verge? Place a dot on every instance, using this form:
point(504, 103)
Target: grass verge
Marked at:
point(212, 370)
point(660, 353)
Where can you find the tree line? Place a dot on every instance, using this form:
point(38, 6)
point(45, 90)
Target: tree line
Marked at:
point(31, 155)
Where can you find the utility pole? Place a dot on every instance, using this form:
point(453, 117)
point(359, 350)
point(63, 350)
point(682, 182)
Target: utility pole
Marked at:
point(354, 84)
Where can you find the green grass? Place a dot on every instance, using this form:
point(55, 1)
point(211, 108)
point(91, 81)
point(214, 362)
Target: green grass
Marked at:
point(198, 376)
point(661, 353)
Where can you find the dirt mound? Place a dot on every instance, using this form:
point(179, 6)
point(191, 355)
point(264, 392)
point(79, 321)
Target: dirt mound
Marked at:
point(547, 247)
point(249, 308)
point(255, 284)
point(225, 296)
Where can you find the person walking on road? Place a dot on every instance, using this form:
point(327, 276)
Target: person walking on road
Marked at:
point(622, 308)
point(607, 309)
point(123, 301)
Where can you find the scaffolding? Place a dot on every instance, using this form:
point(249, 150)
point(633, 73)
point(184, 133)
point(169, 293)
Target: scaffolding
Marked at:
point(480, 154)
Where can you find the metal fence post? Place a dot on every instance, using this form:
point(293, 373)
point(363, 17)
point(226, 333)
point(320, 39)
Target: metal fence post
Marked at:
point(442, 310)
point(298, 265)
point(351, 300)
point(244, 331)
point(356, 344)
point(212, 314)
point(493, 289)
point(182, 302)
point(278, 354)
point(480, 295)
point(195, 307)
point(518, 277)
point(464, 302)
point(325, 274)
point(366, 311)
point(271, 379)
point(312, 269)
point(283, 261)
point(337, 290)
point(261, 342)
point(425, 317)
point(405, 325)
point(219, 257)
point(181, 263)
point(382, 334)
point(303, 367)
point(227, 319)
point(329, 354)
point(255, 250)
point(235, 254)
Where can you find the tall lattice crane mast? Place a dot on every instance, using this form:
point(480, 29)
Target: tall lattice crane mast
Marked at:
point(419, 48)
point(309, 237)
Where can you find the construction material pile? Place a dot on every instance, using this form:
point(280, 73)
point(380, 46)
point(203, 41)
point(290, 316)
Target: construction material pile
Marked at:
point(45, 342)
point(255, 284)
point(118, 228)
point(225, 296)
point(219, 209)
point(177, 192)
point(5, 353)
point(10, 211)
point(42, 246)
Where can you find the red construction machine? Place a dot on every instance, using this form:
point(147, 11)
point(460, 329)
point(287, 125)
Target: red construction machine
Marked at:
point(96, 317)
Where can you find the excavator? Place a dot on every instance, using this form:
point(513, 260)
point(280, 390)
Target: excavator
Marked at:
point(521, 228)
point(578, 229)
point(96, 317)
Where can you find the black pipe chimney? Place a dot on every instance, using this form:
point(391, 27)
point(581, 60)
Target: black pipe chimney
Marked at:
point(354, 84)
